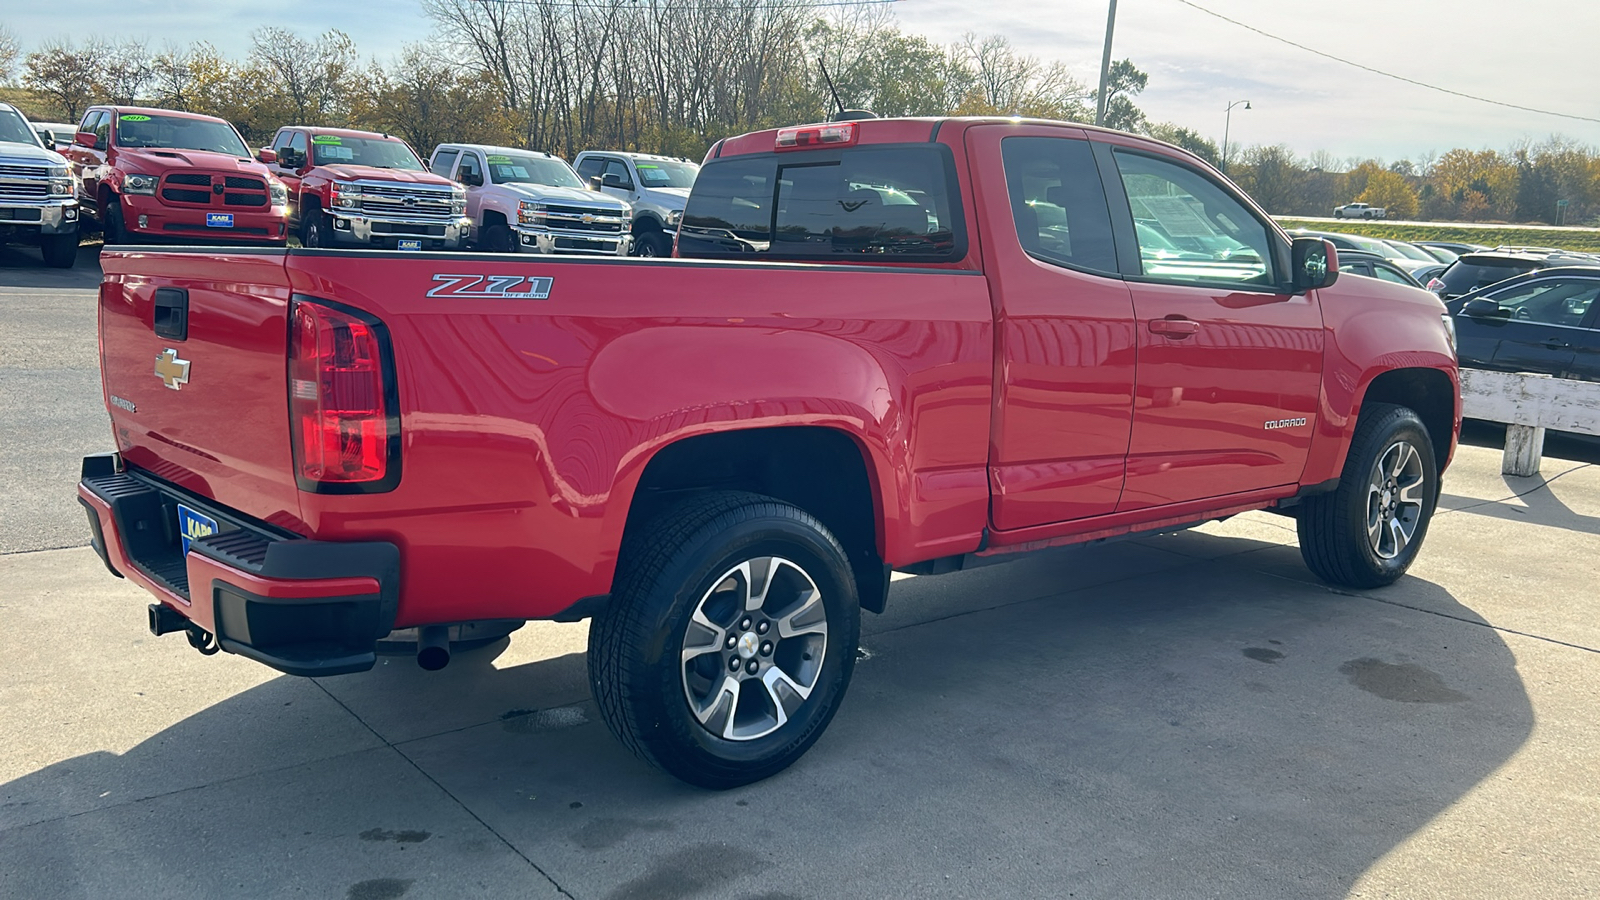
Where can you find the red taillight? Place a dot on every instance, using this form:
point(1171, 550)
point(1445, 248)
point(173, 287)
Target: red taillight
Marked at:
point(835, 134)
point(1436, 284)
point(338, 411)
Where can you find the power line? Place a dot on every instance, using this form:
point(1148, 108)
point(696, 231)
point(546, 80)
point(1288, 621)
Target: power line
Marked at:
point(666, 5)
point(1424, 84)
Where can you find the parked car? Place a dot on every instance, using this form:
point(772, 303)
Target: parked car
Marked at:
point(1474, 271)
point(1441, 254)
point(160, 174)
point(864, 363)
point(364, 189)
point(56, 136)
point(1426, 274)
point(522, 200)
point(1371, 265)
point(37, 202)
point(656, 187)
point(1358, 211)
point(1411, 251)
point(1545, 321)
point(1367, 245)
point(1452, 247)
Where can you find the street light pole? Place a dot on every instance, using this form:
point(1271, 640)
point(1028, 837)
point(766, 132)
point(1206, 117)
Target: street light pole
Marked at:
point(1227, 124)
point(1105, 66)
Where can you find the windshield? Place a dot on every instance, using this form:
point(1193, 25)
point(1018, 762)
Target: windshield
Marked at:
point(1409, 251)
point(174, 133)
point(518, 168)
point(14, 129)
point(1372, 246)
point(379, 153)
point(660, 174)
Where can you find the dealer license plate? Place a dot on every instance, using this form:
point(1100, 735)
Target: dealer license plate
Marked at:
point(219, 220)
point(192, 526)
point(408, 245)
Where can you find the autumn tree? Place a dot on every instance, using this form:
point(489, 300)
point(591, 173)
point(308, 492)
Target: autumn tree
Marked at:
point(429, 102)
point(10, 55)
point(125, 69)
point(1271, 175)
point(1188, 139)
point(1478, 184)
point(309, 79)
point(1392, 192)
point(65, 74)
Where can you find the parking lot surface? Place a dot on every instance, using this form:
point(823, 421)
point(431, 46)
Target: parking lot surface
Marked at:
point(1189, 715)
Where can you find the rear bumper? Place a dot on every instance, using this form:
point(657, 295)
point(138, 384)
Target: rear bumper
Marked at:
point(302, 607)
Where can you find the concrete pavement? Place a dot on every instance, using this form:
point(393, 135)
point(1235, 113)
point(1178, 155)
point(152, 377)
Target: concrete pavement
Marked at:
point(1190, 715)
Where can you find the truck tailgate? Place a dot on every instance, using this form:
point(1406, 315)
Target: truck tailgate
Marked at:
point(193, 358)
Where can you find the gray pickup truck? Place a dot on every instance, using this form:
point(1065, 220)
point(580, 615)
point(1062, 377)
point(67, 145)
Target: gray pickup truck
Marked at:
point(37, 202)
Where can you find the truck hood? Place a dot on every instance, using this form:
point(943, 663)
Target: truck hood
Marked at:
point(29, 153)
point(399, 176)
point(575, 196)
point(154, 162)
point(670, 197)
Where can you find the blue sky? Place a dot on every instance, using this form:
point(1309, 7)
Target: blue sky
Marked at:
point(1541, 56)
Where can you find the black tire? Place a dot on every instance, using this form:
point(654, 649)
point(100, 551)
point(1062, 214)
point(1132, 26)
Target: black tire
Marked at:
point(1334, 528)
point(60, 251)
point(654, 244)
point(315, 229)
point(113, 228)
point(669, 570)
point(497, 238)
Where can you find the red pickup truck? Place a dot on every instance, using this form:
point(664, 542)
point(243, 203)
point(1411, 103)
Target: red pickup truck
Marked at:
point(892, 344)
point(159, 174)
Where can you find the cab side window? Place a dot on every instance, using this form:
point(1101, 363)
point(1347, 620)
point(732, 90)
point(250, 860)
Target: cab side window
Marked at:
point(100, 124)
point(1556, 301)
point(444, 162)
point(1194, 232)
point(281, 142)
point(590, 166)
point(469, 171)
point(1057, 202)
point(620, 169)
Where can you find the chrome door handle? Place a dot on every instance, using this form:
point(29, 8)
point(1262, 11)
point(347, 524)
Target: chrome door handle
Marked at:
point(1175, 326)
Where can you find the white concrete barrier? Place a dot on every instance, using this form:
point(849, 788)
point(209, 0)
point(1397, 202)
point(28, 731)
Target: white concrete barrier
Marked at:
point(1527, 404)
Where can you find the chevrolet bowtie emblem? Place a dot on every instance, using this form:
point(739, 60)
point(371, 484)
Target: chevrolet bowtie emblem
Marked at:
point(172, 371)
point(588, 218)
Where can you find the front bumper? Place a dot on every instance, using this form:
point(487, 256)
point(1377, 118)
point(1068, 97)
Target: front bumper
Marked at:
point(143, 214)
point(382, 231)
point(302, 607)
point(58, 216)
point(543, 240)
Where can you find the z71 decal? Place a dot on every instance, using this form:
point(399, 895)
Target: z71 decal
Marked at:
point(509, 287)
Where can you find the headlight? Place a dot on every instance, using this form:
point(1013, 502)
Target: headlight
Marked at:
point(134, 183)
point(1450, 332)
point(674, 216)
point(346, 195)
point(61, 185)
point(530, 212)
point(458, 200)
point(279, 192)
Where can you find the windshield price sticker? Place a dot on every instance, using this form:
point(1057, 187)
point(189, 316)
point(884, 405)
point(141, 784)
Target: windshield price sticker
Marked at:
point(500, 160)
point(133, 118)
point(326, 139)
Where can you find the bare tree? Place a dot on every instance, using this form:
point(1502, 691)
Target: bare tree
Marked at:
point(125, 69)
point(312, 78)
point(10, 55)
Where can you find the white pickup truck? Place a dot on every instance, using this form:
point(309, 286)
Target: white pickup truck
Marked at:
point(37, 193)
point(1359, 211)
point(531, 202)
point(656, 187)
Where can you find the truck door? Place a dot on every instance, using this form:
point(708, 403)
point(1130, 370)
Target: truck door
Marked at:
point(470, 172)
point(290, 145)
point(88, 162)
point(1230, 362)
point(1543, 324)
point(1064, 402)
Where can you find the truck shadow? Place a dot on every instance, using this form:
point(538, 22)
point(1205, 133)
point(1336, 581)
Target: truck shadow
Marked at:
point(22, 266)
point(1192, 725)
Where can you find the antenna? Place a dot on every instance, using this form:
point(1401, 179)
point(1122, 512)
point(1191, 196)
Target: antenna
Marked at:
point(836, 101)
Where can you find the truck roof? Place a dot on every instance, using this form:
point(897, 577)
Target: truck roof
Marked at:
point(345, 132)
point(632, 154)
point(925, 129)
point(156, 110)
point(491, 148)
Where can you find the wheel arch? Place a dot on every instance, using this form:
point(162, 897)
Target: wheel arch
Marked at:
point(646, 221)
point(823, 470)
point(1429, 393)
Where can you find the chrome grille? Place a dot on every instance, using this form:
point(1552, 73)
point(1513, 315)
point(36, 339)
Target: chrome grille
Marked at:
point(24, 190)
point(405, 203)
point(24, 171)
point(570, 218)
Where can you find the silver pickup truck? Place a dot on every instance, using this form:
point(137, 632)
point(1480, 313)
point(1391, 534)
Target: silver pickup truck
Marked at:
point(524, 201)
point(37, 197)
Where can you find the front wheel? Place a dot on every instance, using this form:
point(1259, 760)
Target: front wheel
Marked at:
point(113, 228)
point(314, 232)
point(1367, 532)
point(497, 238)
point(729, 641)
point(60, 251)
point(654, 244)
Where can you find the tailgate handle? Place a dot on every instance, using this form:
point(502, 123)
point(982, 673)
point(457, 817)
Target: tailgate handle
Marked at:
point(171, 314)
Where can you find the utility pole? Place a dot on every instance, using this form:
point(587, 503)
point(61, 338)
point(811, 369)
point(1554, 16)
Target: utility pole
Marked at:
point(1105, 67)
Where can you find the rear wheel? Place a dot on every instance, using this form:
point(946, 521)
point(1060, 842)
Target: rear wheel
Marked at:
point(1367, 532)
point(729, 641)
point(60, 251)
point(654, 244)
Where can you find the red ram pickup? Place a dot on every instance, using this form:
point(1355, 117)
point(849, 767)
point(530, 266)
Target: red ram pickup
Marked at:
point(158, 174)
point(899, 344)
point(363, 189)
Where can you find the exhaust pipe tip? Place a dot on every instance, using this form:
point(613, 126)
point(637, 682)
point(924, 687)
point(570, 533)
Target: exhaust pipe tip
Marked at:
point(433, 647)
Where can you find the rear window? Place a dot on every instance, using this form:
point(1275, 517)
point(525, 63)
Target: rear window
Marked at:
point(893, 201)
point(1468, 273)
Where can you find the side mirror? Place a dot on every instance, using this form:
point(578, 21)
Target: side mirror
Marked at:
point(595, 183)
point(472, 179)
point(84, 139)
point(613, 180)
point(1314, 264)
point(1484, 308)
point(267, 155)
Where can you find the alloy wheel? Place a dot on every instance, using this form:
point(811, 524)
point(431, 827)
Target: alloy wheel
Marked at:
point(1395, 498)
